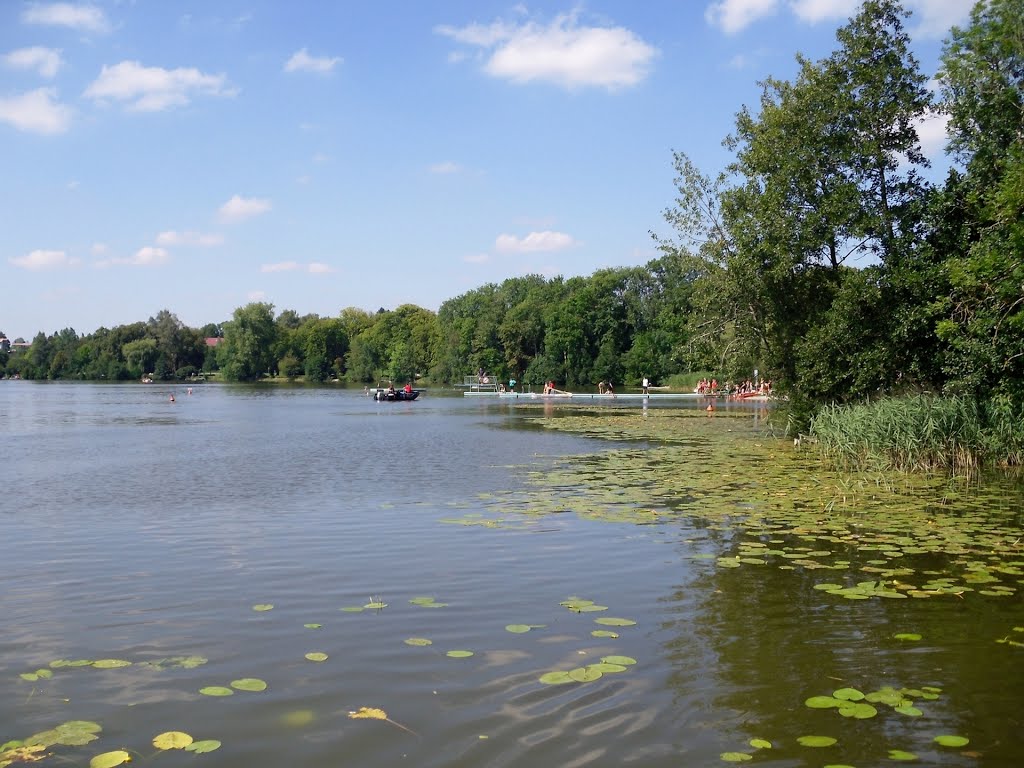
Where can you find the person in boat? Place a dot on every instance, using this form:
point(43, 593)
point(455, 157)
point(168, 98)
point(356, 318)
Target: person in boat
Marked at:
point(391, 388)
point(408, 388)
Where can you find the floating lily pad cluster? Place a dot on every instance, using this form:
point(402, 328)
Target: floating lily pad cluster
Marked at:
point(609, 664)
point(47, 673)
point(252, 684)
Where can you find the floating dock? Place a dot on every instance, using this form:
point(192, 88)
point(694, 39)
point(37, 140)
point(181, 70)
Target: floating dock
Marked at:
point(585, 396)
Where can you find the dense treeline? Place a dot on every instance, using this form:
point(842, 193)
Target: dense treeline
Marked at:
point(819, 255)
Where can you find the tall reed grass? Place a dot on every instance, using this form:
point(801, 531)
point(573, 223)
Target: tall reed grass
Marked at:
point(922, 433)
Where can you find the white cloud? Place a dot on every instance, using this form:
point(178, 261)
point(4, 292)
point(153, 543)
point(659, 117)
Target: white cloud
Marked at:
point(319, 268)
point(814, 11)
point(151, 89)
point(934, 18)
point(201, 239)
point(477, 258)
point(147, 256)
point(36, 112)
point(85, 17)
point(238, 208)
point(931, 131)
point(534, 242)
point(281, 266)
point(38, 260)
point(301, 61)
point(45, 61)
point(445, 168)
point(563, 52)
point(732, 16)
point(98, 249)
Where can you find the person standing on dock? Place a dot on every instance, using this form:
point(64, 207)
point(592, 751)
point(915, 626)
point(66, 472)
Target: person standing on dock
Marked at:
point(646, 385)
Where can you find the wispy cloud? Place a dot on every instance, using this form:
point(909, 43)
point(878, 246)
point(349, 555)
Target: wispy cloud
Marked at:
point(45, 61)
point(239, 208)
point(189, 238)
point(37, 111)
point(152, 89)
point(563, 52)
point(301, 61)
point(40, 260)
point(445, 168)
point(84, 17)
point(148, 256)
point(931, 18)
point(314, 267)
point(281, 266)
point(732, 16)
point(534, 242)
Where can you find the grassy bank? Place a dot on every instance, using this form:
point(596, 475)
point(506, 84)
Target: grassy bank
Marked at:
point(923, 433)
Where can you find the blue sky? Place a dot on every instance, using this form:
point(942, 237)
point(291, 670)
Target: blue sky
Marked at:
point(196, 156)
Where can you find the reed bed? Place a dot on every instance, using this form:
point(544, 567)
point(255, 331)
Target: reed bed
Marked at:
point(925, 433)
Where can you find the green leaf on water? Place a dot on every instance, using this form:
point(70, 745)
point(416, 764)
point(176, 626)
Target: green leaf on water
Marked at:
point(604, 633)
point(249, 684)
point(626, 661)
point(952, 741)
point(857, 710)
point(606, 668)
point(263, 607)
point(111, 663)
point(822, 702)
point(816, 741)
point(909, 636)
point(735, 757)
point(556, 678)
point(908, 709)
point(613, 622)
point(216, 690)
point(418, 641)
point(316, 656)
point(199, 747)
point(585, 674)
point(352, 609)
point(899, 754)
point(518, 629)
point(760, 744)
point(375, 605)
point(172, 740)
point(848, 694)
point(312, 626)
point(110, 759)
point(459, 654)
point(30, 676)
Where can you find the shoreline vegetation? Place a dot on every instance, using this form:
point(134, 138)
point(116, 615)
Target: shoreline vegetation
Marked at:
point(756, 281)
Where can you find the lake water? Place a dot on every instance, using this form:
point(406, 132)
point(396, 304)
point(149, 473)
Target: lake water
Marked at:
point(141, 530)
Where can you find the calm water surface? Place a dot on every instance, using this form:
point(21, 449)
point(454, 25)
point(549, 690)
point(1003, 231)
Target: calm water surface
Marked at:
point(139, 529)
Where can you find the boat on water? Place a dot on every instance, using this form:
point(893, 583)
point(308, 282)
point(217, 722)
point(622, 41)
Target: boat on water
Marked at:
point(391, 395)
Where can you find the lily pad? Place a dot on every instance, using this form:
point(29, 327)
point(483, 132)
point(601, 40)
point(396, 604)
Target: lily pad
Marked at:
point(200, 747)
point(110, 759)
point(848, 694)
point(952, 741)
point(172, 740)
point(249, 684)
point(260, 607)
point(613, 622)
point(420, 641)
point(604, 633)
point(459, 654)
point(909, 636)
point(216, 690)
point(518, 629)
point(316, 656)
point(735, 757)
point(585, 674)
point(626, 661)
point(899, 754)
point(556, 678)
point(111, 663)
point(312, 626)
point(760, 744)
point(816, 741)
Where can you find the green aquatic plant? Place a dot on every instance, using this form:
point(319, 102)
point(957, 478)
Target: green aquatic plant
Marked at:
point(316, 656)
point(249, 684)
point(172, 740)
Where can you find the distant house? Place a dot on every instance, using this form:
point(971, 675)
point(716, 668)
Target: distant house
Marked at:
point(213, 341)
